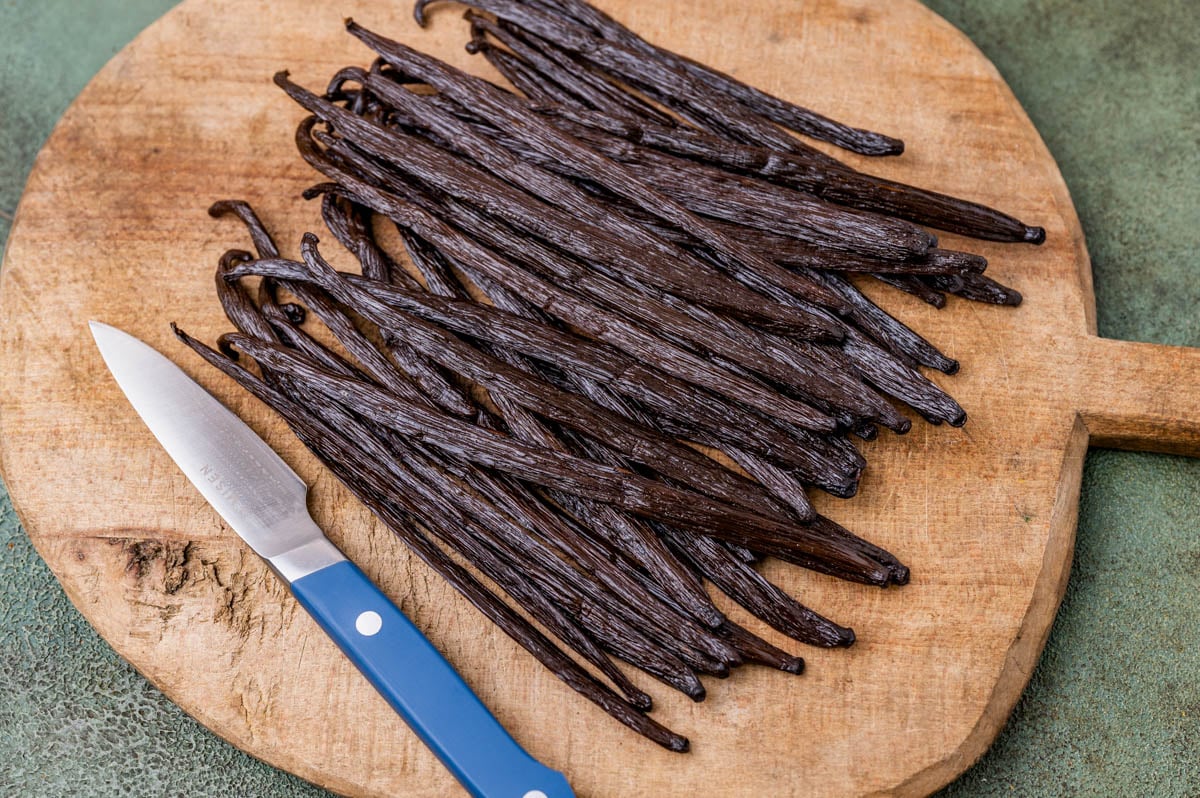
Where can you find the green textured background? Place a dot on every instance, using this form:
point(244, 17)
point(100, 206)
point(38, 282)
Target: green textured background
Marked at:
point(1114, 707)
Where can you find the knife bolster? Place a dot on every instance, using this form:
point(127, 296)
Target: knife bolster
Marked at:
point(305, 559)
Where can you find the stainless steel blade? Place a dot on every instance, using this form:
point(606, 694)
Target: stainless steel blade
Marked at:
point(244, 480)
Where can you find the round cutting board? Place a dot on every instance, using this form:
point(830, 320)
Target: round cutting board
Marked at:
point(113, 227)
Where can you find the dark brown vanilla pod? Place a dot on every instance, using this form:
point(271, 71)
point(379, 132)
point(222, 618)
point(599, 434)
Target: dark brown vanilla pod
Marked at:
point(656, 451)
point(596, 87)
point(782, 112)
point(777, 481)
point(676, 633)
point(886, 330)
point(723, 196)
point(667, 83)
point(673, 583)
point(363, 478)
point(838, 183)
point(557, 70)
point(517, 585)
point(236, 301)
point(672, 268)
point(429, 261)
point(789, 369)
point(977, 287)
point(812, 460)
point(760, 205)
point(790, 252)
point(759, 651)
point(575, 231)
point(263, 242)
point(520, 511)
point(927, 207)
point(373, 361)
point(911, 284)
point(893, 377)
point(350, 224)
point(889, 370)
point(899, 571)
point(523, 78)
point(607, 322)
point(509, 111)
point(552, 469)
point(805, 291)
point(833, 182)
point(798, 250)
point(736, 578)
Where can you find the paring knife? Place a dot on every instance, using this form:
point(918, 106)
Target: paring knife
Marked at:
point(266, 504)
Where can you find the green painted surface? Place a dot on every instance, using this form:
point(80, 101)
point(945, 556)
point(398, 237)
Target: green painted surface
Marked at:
point(1114, 707)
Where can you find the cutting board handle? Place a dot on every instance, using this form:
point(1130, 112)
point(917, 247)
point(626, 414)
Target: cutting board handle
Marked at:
point(1144, 397)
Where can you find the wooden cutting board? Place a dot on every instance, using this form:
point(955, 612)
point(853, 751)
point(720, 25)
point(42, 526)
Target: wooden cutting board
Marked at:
point(113, 227)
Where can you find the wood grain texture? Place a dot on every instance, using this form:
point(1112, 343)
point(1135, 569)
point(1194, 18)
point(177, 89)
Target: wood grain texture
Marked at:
point(113, 226)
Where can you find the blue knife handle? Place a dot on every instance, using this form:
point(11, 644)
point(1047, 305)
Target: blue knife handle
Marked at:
point(423, 687)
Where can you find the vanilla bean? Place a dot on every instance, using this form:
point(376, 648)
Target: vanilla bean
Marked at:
point(535, 87)
point(350, 224)
point(975, 286)
point(626, 347)
point(668, 85)
point(625, 246)
point(655, 451)
point(576, 79)
point(755, 649)
point(603, 322)
point(782, 112)
point(562, 472)
point(834, 182)
point(629, 535)
point(911, 284)
point(885, 329)
point(346, 461)
point(492, 565)
point(509, 110)
point(766, 601)
point(777, 481)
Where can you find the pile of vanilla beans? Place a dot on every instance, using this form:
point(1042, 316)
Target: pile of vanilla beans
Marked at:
point(621, 348)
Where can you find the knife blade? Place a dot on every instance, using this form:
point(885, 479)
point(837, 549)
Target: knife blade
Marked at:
point(266, 503)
